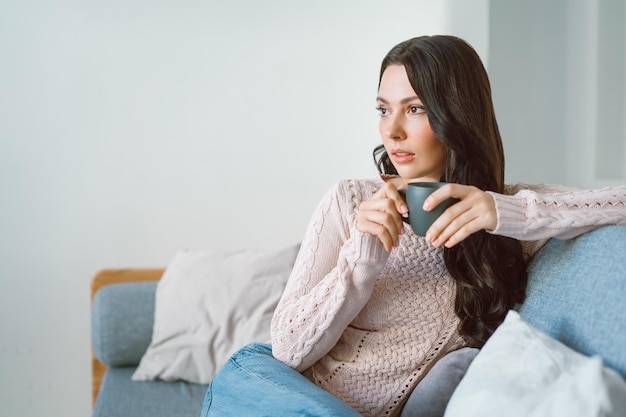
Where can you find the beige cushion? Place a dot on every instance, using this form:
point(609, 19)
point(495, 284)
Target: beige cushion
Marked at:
point(209, 304)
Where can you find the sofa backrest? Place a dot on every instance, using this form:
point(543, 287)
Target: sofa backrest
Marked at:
point(577, 293)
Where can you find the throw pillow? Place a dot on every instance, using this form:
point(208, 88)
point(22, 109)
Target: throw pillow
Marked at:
point(209, 304)
point(523, 372)
point(430, 397)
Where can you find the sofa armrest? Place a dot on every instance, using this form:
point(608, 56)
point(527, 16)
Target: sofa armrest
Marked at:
point(122, 318)
point(118, 276)
point(105, 278)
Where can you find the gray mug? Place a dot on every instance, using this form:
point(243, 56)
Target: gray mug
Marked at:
point(415, 195)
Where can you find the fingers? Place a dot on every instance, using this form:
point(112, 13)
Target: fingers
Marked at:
point(475, 211)
point(443, 193)
point(391, 192)
point(381, 225)
point(381, 216)
point(458, 229)
point(389, 199)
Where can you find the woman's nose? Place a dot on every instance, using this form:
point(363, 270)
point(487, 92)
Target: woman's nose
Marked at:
point(395, 129)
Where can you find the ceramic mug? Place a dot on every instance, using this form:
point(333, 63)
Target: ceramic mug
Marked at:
point(415, 195)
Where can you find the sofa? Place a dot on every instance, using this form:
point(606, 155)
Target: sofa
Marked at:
point(576, 297)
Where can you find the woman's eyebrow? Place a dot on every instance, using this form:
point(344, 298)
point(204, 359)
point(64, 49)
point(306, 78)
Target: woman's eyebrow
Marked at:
point(403, 101)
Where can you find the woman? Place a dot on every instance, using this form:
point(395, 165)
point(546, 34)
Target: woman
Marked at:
point(371, 308)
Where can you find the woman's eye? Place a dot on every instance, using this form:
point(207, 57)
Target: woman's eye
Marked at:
point(382, 111)
point(416, 110)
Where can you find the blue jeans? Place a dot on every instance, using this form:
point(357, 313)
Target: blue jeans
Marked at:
point(254, 383)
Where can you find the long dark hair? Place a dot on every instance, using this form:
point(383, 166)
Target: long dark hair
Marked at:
point(449, 78)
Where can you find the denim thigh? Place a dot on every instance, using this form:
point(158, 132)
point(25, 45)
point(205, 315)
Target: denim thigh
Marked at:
point(254, 383)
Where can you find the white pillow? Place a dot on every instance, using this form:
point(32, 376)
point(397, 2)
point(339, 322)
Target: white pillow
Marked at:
point(523, 372)
point(209, 304)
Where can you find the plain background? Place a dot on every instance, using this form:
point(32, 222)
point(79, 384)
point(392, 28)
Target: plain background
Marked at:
point(131, 129)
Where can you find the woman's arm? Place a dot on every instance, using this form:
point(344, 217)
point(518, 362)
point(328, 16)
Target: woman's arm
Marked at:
point(546, 211)
point(332, 279)
point(529, 213)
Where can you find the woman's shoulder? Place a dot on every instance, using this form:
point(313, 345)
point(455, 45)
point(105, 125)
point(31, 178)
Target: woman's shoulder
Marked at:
point(347, 194)
point(359, 189)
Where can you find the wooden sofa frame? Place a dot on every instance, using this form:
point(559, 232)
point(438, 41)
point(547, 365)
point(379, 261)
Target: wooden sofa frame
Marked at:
point(109, 277)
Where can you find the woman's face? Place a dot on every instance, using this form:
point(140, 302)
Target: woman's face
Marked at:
point(405, 130)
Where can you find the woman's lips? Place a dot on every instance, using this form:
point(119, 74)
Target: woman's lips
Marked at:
point(402, 157)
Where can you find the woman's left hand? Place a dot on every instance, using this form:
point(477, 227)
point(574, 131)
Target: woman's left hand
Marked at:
point(475, 211)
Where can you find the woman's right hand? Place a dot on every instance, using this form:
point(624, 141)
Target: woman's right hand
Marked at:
point(381, 215)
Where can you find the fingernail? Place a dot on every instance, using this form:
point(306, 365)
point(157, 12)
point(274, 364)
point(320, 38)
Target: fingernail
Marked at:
point(405, 210)
point(428, 236)
point(426, 206)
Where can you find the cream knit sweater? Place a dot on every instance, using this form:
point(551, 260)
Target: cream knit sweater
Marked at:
point(367, 325)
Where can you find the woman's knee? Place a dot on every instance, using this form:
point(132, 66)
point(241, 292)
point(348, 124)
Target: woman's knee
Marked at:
point(254, 349)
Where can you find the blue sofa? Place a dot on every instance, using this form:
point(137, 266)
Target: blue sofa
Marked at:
point(576, 294)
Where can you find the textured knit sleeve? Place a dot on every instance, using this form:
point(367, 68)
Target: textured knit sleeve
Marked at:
point(546, 211)
point(332, 279)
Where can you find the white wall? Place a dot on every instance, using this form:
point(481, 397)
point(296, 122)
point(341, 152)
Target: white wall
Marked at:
point(597, 80)
point(130, 129)
point(527, 66)
point(558, 77)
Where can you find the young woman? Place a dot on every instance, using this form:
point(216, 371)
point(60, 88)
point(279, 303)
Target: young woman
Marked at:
point(370, 308)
